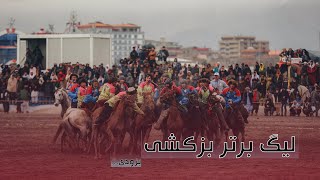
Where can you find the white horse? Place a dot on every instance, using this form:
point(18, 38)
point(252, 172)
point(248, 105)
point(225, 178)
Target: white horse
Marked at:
point(74, 121)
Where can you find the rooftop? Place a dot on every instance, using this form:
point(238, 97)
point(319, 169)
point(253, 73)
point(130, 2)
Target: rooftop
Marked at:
point(107, 26)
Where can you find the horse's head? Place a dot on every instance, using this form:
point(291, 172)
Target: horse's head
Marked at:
point(193, 99)
point(58, 97)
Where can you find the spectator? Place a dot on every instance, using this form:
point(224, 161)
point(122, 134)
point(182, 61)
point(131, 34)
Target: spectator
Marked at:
point(163, 54)
point(24, 96)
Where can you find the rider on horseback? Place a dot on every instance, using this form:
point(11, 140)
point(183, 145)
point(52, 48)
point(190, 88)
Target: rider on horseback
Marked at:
point(108, 90)
point(185, 91)
point(168, 89)
point(109, 105)
point(83, 91)
point(232, 96)
point(145, 87)
point(205, 90)
point(73, 90)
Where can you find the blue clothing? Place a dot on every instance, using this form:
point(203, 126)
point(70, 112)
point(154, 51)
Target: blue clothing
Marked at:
point(73, 95)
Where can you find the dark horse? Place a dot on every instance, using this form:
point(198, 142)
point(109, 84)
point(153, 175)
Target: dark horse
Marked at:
point(235, 122)
point(193, 120)
point(143, 123)
point(214, 129)
point(173, 123)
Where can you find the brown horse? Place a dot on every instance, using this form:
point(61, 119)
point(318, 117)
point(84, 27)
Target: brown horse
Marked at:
point(120, 122)
point(98, 135)
point(235, 122)
point(193, 121)
point(213, 126)
point(174, 122)
point(143, 123)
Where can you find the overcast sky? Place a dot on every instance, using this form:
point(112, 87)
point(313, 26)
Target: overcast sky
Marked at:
point(285, 23)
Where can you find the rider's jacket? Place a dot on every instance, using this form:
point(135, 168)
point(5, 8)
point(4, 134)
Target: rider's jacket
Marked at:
point(113, 101)
point(183, 99)
point(173, 90)
point(92, 96)
point(234, 95)
point(145, 87)
point(204, 93)
point(107, 91)
point(73, 92)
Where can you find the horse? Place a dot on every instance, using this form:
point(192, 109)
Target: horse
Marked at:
point(120, 122)
point(194, 122)
point(236, 123)
point(75, 122)
point(174, 122)
point(143, 123)
point(214, 129)
point(104, 113)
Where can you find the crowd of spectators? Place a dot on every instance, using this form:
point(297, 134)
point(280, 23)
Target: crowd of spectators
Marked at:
point(28, 83)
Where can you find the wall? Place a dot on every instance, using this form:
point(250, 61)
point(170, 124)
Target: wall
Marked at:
point(101, 51)
point(76, 50)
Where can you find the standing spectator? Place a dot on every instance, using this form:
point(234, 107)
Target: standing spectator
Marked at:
point(255, 101)
point(284, 95)
point(12, 87)
point(163, 54)
point(152, 56)
point(247, 99)
point(134, 54)
point(24, 96)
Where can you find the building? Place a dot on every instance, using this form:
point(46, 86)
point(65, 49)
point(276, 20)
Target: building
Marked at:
point(124, 36)
point(62, 48)
point(8, 45)
point(232, 46)
point(174, 48)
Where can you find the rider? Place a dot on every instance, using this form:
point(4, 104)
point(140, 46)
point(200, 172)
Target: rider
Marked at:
point(185, 91)
point(109, 105)
point(73, 90)
point(94, 93)
point(218, 84)
point(172, 89)
point(83, 91)
point(232, 96)
point(145, 87)
point(204, 91)
point(107, 91)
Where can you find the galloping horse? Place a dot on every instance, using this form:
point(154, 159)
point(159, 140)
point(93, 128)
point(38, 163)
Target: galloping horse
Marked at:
point(214, 102)
point(236, 123)
point(143, 124)
point(174, 123)
point(194, 122)
point(120, 122)
point(76, 124)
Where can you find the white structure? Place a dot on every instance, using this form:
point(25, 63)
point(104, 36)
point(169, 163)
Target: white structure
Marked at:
point(59, 48)
point(124, 36)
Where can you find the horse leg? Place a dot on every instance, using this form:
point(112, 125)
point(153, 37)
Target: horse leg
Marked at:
point(147, 134)
point(236, 133)
point(242, 135)
point(112, 139)
point(63, 138)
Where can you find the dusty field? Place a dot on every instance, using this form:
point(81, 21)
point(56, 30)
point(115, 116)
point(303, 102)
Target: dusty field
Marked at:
point(25, 154)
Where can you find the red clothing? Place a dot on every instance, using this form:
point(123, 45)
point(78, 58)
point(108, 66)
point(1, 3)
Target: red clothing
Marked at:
point(174, 89)
point(191, 88)
point(73, 87)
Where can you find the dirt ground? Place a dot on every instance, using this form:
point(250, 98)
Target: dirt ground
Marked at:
point(26, 153)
